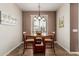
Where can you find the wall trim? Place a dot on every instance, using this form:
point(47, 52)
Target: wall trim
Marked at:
point(66, 49)
point(16, 47)
point(62, 47)
point(74, 53)
point(54, 42)
point(12, 49)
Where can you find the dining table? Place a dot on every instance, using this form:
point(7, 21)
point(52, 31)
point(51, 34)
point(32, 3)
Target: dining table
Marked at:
point(39, 44)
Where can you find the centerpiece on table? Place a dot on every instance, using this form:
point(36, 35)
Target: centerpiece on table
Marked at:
point(38, 33)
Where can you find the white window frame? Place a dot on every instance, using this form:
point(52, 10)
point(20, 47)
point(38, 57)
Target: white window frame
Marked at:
point(32, 16)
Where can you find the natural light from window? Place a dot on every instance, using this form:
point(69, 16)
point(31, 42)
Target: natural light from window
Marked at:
point(39, 25)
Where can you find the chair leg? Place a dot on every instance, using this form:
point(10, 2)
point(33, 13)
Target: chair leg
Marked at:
point(25, 46)
point(54, 48)
point(51, 45)
point(23, 50)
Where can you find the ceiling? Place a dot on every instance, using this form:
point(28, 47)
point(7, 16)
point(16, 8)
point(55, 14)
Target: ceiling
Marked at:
point(43, 6)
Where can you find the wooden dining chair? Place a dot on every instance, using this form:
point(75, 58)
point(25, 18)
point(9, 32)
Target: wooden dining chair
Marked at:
point(27, 39)
point(39, 45)
point(50, 39)
point(53, 37)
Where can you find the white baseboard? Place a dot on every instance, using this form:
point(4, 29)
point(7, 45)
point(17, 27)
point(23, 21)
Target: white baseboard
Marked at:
point(68, 50)
point(12, 49)
point(54, 42)
point(63, 47)
point(74, 53)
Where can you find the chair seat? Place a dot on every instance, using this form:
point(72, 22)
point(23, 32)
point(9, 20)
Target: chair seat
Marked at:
point(30, 40)
point(48, 40)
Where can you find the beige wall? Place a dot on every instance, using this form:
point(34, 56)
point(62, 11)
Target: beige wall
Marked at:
point(10, 35)
point(27, 20)
point(63, 34)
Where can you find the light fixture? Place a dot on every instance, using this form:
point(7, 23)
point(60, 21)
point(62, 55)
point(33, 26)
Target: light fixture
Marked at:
point(39, 17)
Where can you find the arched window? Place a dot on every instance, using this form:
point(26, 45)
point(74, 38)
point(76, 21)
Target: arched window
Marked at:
point(39, 25)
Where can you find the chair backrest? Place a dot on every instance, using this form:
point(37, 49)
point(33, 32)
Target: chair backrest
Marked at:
point(53, 35)
point(41, 38)
point(24, 35)
point(48, 37)
point(27, 36)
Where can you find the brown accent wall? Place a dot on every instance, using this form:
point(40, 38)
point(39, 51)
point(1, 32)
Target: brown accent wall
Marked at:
point(73, 25)
point(51, 20)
